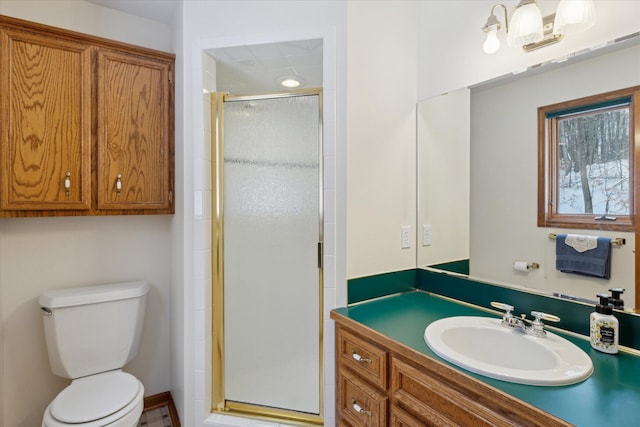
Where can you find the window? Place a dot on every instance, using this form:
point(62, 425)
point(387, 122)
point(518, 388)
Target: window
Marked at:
point(586, 161)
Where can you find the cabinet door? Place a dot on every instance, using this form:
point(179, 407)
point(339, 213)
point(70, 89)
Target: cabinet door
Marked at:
point(45, 123)
point(135, 125)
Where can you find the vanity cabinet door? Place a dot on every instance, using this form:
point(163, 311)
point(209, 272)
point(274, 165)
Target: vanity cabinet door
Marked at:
point(135, 125)
point(45, 122)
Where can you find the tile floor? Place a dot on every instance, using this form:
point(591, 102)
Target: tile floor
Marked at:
point(158, 417)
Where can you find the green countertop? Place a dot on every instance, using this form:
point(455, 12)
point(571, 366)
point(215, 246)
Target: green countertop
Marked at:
point(611, 396)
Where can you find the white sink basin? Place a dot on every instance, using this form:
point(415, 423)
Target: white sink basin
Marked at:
point(482, 345)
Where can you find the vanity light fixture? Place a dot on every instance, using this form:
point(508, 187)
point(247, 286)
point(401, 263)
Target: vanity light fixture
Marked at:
point(531, 31)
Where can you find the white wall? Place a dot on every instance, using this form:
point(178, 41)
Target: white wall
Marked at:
point(504, 177)
point(181, 238)
point(38, 254)
point(381, 149)
point(88, 18)
point(451, 38)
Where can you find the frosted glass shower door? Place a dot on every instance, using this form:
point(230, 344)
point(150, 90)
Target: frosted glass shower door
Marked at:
point(272, 226)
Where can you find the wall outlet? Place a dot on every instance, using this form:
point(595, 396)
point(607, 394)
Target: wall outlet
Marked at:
point(426, 235)
point(405, 237)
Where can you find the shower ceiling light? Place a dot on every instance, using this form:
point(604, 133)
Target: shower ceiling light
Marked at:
point(531, 31)
point(290, 81)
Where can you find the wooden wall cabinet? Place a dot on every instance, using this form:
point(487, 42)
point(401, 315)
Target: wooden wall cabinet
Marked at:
point(133, 133)
point(381, 382)
point(86, 124)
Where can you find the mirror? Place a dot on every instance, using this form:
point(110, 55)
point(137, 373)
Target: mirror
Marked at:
point(477, 175)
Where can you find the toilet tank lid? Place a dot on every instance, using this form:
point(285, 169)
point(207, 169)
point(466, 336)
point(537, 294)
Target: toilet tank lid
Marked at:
point(93, 294)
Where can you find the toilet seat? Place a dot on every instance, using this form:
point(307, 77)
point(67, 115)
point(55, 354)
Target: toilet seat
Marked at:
point(97, 401)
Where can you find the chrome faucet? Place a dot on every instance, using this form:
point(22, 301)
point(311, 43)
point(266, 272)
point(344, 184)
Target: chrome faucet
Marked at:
point(535, 327)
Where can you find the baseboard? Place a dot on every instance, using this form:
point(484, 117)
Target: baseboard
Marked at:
point(159, 400)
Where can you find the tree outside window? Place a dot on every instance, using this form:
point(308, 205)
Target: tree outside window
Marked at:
point(587, 178)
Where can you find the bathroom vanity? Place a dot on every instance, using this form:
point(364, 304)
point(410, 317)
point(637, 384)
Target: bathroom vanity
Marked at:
point(387, 375)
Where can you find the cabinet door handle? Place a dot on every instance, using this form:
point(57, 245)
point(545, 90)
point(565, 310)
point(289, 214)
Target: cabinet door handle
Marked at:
point(118, 185)
point(359, 358)
point(359, 409)
point(67, 183)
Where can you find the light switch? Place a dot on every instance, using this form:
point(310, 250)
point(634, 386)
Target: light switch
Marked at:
point(426, 235)
point(405, 241)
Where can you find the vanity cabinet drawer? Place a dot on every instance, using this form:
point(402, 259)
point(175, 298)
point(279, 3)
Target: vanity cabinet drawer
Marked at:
point(368, 360)
point(358, 403)
point(436, 401)
point(433, 402)
point(401, 418)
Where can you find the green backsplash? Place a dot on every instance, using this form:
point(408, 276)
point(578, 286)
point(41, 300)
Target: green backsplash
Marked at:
point(461, 266)
point(574, 316)
point(379, 285)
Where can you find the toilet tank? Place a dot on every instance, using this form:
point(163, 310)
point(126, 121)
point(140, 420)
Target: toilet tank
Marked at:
point(93, 329)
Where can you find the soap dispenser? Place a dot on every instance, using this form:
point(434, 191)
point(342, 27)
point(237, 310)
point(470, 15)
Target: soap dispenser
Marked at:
point(604, 327)
point(616, 299)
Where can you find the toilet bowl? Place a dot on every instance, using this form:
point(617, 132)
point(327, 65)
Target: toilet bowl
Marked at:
point(113, 399)
point(91, 333)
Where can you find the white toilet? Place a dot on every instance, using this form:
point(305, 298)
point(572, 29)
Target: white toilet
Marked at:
point(91, 333)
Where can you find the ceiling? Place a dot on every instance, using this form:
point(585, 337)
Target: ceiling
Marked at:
point(253, 69)
point(244, 69)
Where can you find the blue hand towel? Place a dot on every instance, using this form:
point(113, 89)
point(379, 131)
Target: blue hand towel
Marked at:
point(594, 262)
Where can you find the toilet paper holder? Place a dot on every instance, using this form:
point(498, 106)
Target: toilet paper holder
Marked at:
point(525, 266)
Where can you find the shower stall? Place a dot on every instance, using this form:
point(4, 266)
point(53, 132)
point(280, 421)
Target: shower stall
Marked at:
point(267, 255)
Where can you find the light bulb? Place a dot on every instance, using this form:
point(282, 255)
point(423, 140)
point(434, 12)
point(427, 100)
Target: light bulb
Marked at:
point(290, 81)
point(492, 43)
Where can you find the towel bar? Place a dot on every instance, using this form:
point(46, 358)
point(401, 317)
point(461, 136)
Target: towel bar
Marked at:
point(617, 241)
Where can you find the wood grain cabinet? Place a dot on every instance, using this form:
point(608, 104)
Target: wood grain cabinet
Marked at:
point(381, 382)
point(86, 124)
point(133, 132)
point(361, 381)
point(46, 101)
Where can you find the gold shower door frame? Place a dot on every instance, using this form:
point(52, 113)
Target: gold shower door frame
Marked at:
point(218, 400)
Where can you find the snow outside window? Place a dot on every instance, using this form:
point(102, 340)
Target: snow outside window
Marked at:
point(588, 174)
